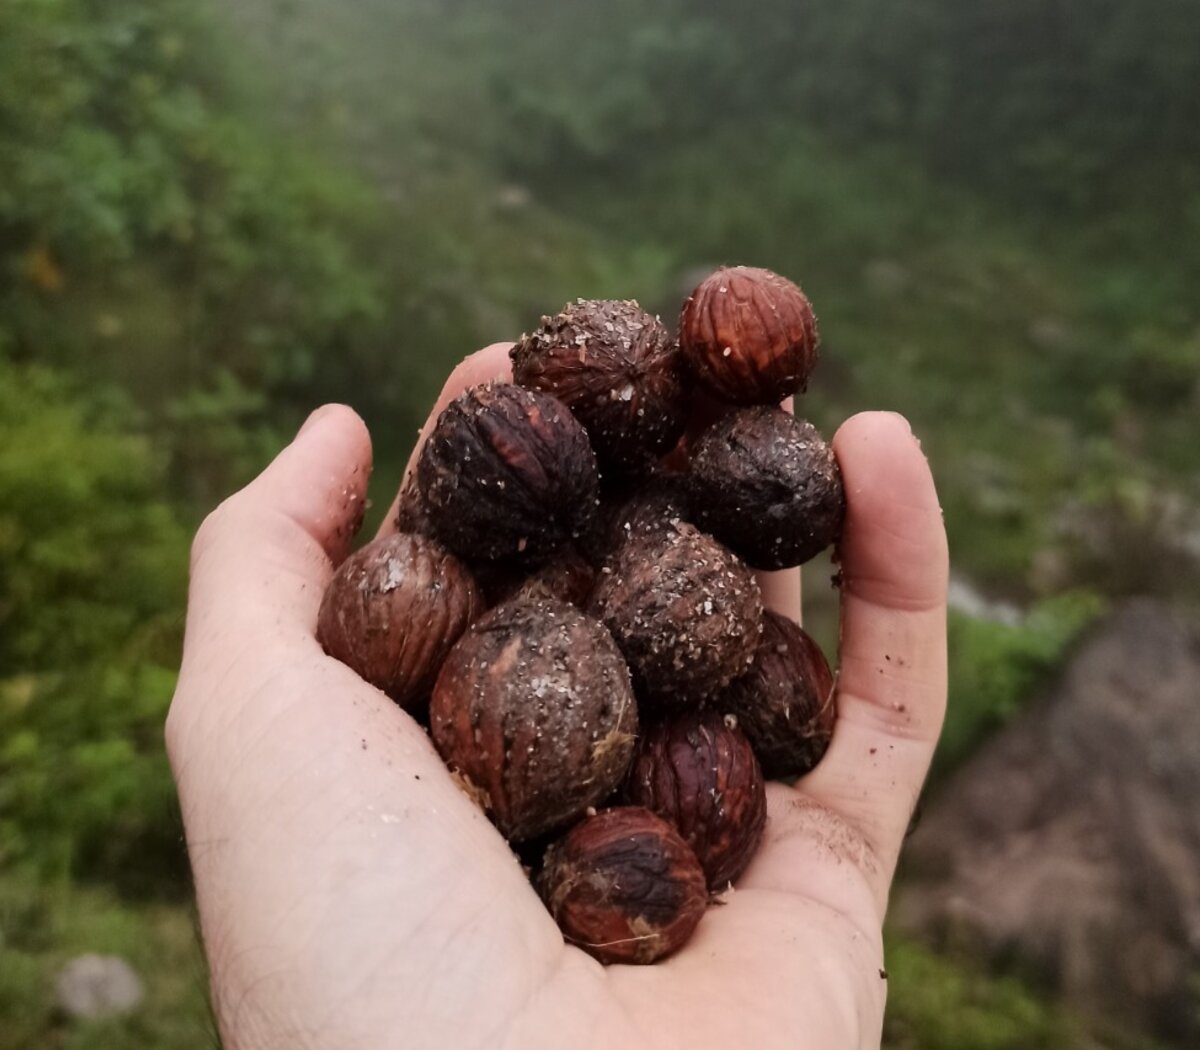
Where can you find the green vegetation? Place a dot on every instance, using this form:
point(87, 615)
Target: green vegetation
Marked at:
point(935, 1003)
point(215, 215)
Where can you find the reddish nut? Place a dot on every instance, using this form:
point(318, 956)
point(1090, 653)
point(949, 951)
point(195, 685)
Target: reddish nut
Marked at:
point(617, 369)
point(749, 336)
point(768, 486)
point(507, 471)
point(394, 609)
point(785, 704)
point(698, 772)
point(623, 886)
point(685, 612)
point(534, 711)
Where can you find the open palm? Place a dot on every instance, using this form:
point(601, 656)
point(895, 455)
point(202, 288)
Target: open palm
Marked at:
point(351, 896)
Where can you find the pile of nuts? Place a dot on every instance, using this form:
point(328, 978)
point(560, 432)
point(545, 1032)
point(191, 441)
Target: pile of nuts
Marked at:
point(570, 600)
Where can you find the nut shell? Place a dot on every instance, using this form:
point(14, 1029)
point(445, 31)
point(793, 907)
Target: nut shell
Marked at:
point(768, 486)
point(507, 471)
point(568, 576)
point(623, 886)
point(534, 710)
point(393, 610)
point(749, 336)
point(786, 704)
point(698, 772)
point(684, 610)
point(412, 512)
point(658, 500)
point(617, 369)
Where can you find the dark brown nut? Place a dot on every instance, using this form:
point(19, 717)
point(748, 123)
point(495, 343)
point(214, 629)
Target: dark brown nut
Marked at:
point(617, 369)
point(568, 576)
point(507, 471)
point(685, 612)
point(393, 610)
point(698, 772)
point(657, 501)
point(768, 486)
point(534, 711)
point(623, 886)
point(749, 336)
point(785, 705)
point(412, 512)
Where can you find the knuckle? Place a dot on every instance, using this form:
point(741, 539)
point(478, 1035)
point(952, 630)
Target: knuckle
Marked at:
point(215, 526)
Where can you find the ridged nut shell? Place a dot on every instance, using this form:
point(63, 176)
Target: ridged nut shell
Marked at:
point(785, 704)
point(623, 886)
point(768, 486)
point(698, 772)
point(394, 609)
point(617, 369)
point(685, 611)
point(535, 712)
point(749, 336)
point(507, 471)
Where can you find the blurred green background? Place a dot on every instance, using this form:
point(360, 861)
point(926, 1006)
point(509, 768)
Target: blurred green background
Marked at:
point(216, 214)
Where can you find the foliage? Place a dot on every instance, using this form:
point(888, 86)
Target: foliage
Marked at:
point(995, 668)
point(939, 1003)
point(142, 218)
point(92, 564)
point(45, 925)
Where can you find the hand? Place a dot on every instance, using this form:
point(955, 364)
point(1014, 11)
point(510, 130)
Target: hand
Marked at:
point(352, 897)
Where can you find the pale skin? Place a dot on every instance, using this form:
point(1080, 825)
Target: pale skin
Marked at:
point(352, 897)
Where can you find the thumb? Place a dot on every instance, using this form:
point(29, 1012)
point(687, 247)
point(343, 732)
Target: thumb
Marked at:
point(263, 557)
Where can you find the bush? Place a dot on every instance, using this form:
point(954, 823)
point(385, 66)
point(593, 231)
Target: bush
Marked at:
point(92, 576)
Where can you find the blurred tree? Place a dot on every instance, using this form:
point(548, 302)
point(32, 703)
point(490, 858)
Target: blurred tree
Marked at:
point(92, 572)
point(150, 233)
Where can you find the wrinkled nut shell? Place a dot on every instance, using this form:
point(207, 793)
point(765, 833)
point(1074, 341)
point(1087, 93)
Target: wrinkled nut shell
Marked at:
point(412, 512)
point(567, 576)
point(617, 369)
point(698, 772)
point(659, 500)
point(749, 336)
point(623, 886)
point(507, 471)
point(393, 610)
point(534, 711)
point(685, 612)
point(767, 485)
point(785, 704)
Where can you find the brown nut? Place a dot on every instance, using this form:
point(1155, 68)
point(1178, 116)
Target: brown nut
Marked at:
point(749, 336)
point(412, 512)
point(785, 704)
point(698, 772)
point(393, 610)
point(768, 486)
point(685, 612)
point(623, 886)
point(568, 576)
point(534, 711)
point(507, 471)
point(655, 501)
point(617, 369)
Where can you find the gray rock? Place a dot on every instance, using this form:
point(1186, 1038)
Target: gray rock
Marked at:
point(95, 986)
point(1071, 842)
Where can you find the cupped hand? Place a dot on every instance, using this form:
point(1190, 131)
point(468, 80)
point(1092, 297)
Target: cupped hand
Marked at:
point(352, 897)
